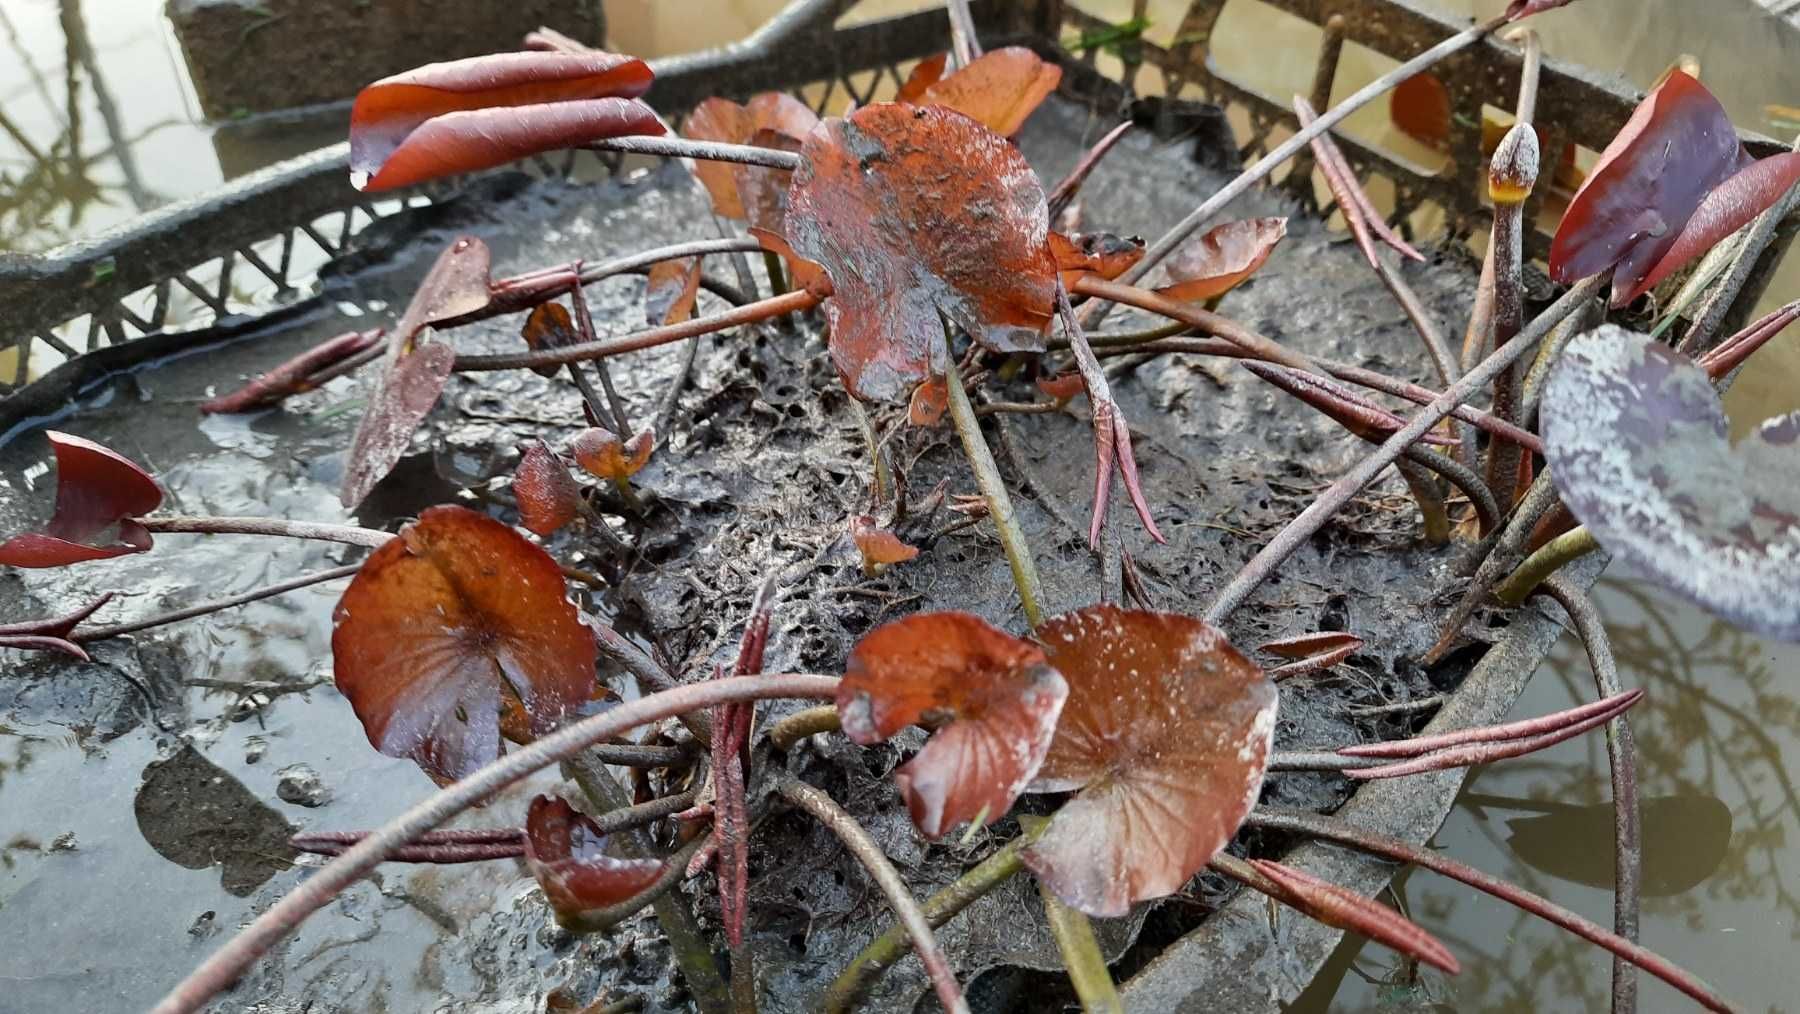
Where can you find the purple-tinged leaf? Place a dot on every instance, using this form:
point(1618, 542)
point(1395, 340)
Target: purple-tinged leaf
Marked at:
point(97, 490)
point(1730, 207)
point(1636, 440)
point(1519, 9)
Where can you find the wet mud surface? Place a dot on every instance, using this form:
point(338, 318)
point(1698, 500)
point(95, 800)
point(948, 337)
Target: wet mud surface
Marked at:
point(140, 817)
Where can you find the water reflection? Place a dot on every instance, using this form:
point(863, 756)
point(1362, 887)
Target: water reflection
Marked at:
point(1685, 839)
point(195, 814)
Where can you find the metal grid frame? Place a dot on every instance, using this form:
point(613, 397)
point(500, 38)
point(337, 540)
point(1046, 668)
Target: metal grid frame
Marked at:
point(96, 303)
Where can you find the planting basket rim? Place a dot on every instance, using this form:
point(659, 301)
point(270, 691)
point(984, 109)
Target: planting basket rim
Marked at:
point(77, 300)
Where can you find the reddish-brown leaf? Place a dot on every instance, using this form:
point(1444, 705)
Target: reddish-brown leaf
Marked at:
point(763, 191)
point(549, 497)
point(769, 120)
point(1096, 253)
point(994, 690)
point(293, 376)
point(1166, 733)
point(1000, 87)
point(1214, 264)
point(1677, 147)
point(549, 326)
point(916, 212)
point(97, 490)
point(1526, 8)
point(1062, 388)
point(802, 273)
point(925, 73)
point(930, 400)
point(1420, 109)
point(670, 291)
point(445, 623)
point(566, 852)
point(1730, 207)
point(725, 121)
point(456, 285)
point(464, 115)
point(877, 545)
point(601, 452)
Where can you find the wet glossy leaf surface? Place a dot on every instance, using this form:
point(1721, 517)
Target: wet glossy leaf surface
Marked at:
point(878, 545)
point(1678, 145)
point(1000, 87)
point(566, 853)
point(444, 623)
point(456, 117)
point(915, 212)
point(457, 284)
point(930, 401)
point(602, 453)
point(98, 490)
point(999, 697)
point(1214, 264)
point(670, 291)
point(549, 497)
point(1166, 734)
point(1730, 207)
point(1637, 443)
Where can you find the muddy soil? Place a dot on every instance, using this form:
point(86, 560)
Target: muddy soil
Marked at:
point(139, 814)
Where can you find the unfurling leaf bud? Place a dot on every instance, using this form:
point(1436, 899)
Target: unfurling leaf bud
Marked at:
point(1514, 170)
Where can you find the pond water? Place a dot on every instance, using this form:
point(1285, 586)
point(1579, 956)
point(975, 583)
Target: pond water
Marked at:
point(97, 124)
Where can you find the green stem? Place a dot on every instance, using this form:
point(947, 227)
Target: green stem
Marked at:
point(777, 279)
point(1551, 557)
point(1000, 507)
point(1075, 938)
point(939, 909)
point(884, 480)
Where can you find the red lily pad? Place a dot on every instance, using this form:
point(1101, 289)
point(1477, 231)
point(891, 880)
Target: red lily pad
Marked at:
point(601, 452)
point(930, 400)
point(1637, 443)
point(98, 490)
point(916, 212)
point(456, 285)
point(671, 290)
point(549, 497)
point(1214, 264)
point(1001, 87)
point(1730, 207)
point(484, 111)
point(1062, 388)
point(444, 626)
point(1420, 108)
point(764, 190)
point(995, 691)
point(770, 120)
point(1166, 733)
point(1678, 146)
point(566, 853)
point(925, 73)
point(802, 273)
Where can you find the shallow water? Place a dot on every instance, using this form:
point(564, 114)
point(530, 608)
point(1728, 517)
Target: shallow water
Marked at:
point(1716, 735)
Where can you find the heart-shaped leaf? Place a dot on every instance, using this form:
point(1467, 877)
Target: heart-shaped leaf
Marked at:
point(764, 190)
point(549, 497)
point(995, 691)
point(447, 624)
point(670, 291)
point(566, 852)
point(484, 111)
point(456, 285)
point(916, 212)
point(1166, 732)
point(1730, 207)
point(1214, 264)
point(1677, 147)
point(786, 121)
point(97, 490)
point(602, 453)
point(1420, 108)
point(1000, 88)
point(1637, 444)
